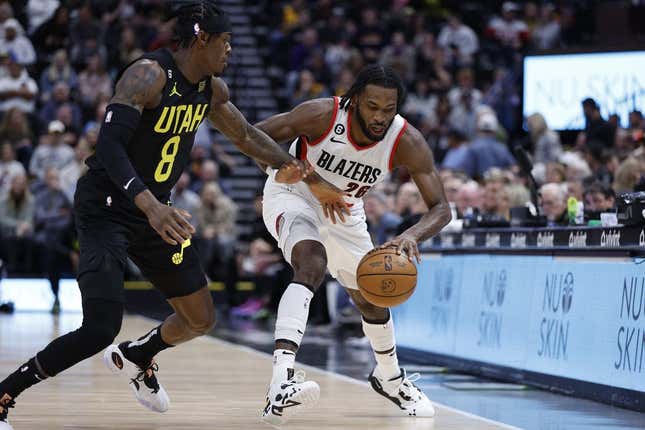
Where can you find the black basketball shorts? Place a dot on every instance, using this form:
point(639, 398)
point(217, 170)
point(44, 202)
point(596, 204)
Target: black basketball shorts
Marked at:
point(110, 229)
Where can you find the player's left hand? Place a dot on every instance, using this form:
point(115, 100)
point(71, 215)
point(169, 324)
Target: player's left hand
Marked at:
point(293, 171)
point(405, 244)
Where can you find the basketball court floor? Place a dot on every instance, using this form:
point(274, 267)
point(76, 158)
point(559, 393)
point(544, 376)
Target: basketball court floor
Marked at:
point(215, 384)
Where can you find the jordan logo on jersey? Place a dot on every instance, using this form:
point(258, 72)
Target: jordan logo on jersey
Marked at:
point(174, 91)
point(349, 169)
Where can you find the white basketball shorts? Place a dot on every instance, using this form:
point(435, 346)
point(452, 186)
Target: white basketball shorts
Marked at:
point(291, 214)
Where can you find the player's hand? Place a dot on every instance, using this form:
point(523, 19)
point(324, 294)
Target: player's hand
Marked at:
point(171, 223)
point(293, 171)
point(406, 244)
point(331, 198)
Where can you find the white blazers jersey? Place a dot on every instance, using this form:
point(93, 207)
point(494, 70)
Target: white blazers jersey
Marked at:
point(340, 161)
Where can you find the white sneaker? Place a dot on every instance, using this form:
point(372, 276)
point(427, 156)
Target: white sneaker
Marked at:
point(402, 392)
point(143, 382)
point(5, 404)
point(286, 399)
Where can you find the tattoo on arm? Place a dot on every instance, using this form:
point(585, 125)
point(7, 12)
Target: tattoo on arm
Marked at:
point(139, 85)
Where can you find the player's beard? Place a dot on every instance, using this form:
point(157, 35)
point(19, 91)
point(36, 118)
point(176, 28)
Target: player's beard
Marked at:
point(366, 131)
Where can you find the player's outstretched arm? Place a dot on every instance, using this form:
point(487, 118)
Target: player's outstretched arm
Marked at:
point(139, 87)
point(414, 153)
point(250, 140)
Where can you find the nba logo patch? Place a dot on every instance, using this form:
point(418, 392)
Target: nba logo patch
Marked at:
point(108, 117)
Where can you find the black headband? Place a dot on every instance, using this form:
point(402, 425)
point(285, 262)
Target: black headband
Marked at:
point(213, 24)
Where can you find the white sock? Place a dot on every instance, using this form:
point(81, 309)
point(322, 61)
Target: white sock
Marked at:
point(290, 324)
point(283, 363)
point(381, 337)
point(293, 312)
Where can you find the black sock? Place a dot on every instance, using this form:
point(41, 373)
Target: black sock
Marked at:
point(142, 351)
point(24, 377)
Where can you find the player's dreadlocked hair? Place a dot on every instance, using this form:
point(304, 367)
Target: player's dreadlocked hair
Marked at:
point(195, 15)
point(375, 74)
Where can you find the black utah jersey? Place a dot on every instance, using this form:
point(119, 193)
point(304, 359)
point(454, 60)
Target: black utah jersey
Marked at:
point(160, 147)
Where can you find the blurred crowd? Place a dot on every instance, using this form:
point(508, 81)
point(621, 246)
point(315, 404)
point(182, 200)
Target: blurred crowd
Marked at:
point(461, 65)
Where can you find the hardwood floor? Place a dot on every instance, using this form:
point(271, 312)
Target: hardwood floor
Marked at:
point(212, 384)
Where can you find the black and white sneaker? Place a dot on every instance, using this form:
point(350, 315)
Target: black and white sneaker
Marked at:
point(6, 402)
point(288, 398)
point(143, 382)
point(402, 392)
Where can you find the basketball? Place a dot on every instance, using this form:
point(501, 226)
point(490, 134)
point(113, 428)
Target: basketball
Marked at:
point(386, 279)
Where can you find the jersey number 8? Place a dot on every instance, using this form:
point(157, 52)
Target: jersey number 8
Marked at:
point(168, 153)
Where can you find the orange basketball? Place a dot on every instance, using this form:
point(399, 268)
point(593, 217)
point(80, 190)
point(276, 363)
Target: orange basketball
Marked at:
point(386, 279)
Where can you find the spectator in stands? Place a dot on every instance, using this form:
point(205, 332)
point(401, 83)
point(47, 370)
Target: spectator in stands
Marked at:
point(485, 151)
point(502, 96)
point(508, 30)
point(94, 84)
point(216, 230)
point(208, 172)
point(184, 198)
point(420, 105)
point(129, 48)
point(307, 88)
point(405, 199)
point(371, 35)
point(518, 195)
point(381, 222)
point(458, 35)
point(58, 71)
point(54, 33)
point(302, 51)
point(458, 151)
point(546, 34)
point(17, 43)
point(628, 175)
point(597, 130)
point(545, 142)
point(51, 152)
point(636, 121)
point(17, 89)
point(338, 55)
point(470, 197)
point(85, 32)
point(495, 180)
point(464, 100)
point(70, 173)
point(553, 204)
point(14, 128)
point(9, 167)
point(400, 56)
point(39, 11)
point(6, 14)
point(60, 97)
point(17, 225)
point(555, 173)
point(431, 60)
point(52, 221)
point(599, 198)
point(417, 208)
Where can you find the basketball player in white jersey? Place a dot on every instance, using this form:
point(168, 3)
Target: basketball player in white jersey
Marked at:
point(352, 142)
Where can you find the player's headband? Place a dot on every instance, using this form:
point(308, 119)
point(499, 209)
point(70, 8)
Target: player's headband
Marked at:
point(213, 24)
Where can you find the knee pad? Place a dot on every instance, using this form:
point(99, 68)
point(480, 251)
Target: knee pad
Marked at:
point(293, 313)
point(101, 322)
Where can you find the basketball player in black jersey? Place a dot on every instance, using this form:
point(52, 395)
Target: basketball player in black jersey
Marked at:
point(121, 205)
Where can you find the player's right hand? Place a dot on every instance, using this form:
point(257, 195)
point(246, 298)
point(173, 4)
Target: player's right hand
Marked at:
point(330, 197)
point(171, 223)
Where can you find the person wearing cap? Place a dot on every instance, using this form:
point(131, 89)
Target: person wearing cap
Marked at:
point(18, 43)
point(485, 151)
point(17, 89)
point(52, 151)
point(508, 30)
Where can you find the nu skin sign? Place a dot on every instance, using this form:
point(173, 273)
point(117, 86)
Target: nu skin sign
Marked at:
point(580, 319)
